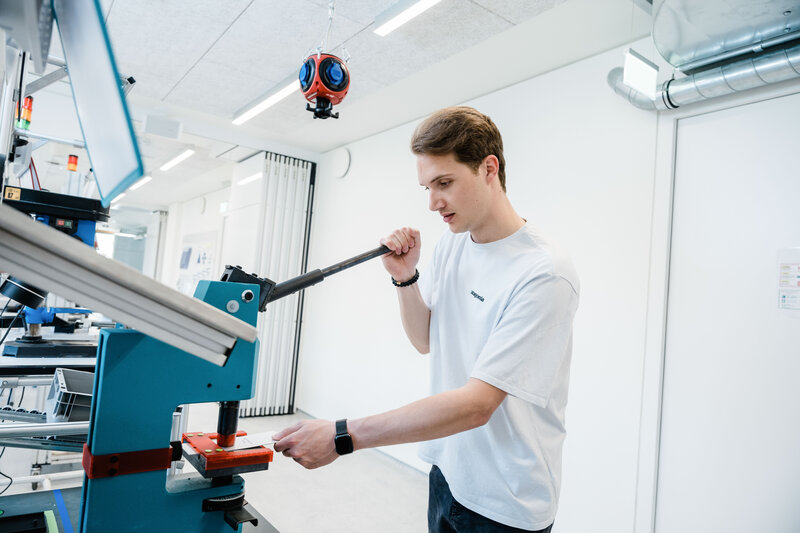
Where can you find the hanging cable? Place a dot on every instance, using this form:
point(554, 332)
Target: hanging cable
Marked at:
point(38, 183)
point(322, 47)
point(9, 478)
point(19, 98)
point(324, 78)
point(21, 397)
point(331, 10)
point(13, 321)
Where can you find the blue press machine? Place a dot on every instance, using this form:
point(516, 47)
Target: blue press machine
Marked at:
point(139, 382)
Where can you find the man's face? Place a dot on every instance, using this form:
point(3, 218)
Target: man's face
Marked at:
point(458, 194)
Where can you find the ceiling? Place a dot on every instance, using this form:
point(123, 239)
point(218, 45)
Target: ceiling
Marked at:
point(218, 61)
point(219, 57)
point(200, 65)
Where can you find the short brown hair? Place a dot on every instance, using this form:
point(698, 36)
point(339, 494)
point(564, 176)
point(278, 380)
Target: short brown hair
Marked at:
point(464, 132)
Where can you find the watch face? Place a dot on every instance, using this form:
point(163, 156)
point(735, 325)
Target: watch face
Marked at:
point(344, 444)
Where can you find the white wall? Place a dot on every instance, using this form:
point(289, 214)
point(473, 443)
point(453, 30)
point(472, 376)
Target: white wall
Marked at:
point(581, 166)
point(198, 215)
point(244, 214)
point(355, 359)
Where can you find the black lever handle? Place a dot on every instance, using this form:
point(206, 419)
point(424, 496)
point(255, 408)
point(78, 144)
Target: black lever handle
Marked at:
point(315, 276)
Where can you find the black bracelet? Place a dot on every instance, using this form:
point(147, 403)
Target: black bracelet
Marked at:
point(412, 281)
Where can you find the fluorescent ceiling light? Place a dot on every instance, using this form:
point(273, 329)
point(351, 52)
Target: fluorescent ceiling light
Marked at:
point(129, 235)
point(140, 183)
point(399, 14)
point(267, 102)
point(183, 156)
point(249, 179)
point(640, 74)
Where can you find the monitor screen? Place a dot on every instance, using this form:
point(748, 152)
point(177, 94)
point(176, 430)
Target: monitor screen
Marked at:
point(99, 100)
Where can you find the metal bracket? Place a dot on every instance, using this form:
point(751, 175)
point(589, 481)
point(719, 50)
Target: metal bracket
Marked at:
point(44, 81)
point(239, 516)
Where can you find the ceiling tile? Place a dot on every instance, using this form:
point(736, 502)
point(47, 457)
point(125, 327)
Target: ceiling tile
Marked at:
point(271, 41)
point(424, 41)
point(220, 88)
point(150, 85)
point(449, 27)
point(361, 11)
point(165, 39)
point(515, 11)
point(214, 57)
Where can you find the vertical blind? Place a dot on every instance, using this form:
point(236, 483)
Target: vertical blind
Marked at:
point(288, 189)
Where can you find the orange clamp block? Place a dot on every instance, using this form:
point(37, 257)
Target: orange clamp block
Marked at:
point(216, 458)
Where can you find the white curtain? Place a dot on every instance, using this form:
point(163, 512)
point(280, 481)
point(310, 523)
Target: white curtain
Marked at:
point(287, 189)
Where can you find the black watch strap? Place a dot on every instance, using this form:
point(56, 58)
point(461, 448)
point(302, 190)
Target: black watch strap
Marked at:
point(343, 441)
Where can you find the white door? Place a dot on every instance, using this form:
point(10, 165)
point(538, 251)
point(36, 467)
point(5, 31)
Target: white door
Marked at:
point(730, 434)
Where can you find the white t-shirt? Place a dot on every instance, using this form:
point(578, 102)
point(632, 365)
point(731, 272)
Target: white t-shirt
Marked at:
point(502, 312)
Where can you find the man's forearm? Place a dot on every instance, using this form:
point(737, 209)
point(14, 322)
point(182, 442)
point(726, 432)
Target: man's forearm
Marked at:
point(416, 317)
point(433, 417)
point(311, 442)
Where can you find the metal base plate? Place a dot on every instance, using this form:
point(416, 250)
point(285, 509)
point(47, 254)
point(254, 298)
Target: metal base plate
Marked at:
point(199, 463)
point(51, 349)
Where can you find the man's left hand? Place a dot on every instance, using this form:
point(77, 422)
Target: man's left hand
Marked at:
point(309, 442)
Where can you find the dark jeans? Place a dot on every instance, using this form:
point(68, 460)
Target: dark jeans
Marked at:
point(445, 515)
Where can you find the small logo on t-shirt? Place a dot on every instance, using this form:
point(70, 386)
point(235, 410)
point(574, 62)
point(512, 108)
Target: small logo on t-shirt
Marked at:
point(476, 295)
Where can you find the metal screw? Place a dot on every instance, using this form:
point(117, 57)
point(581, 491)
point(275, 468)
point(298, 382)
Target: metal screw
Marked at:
point(113, 459)
point(787, 13)
point(232, 306)
point(247, 296)
point(112, 472)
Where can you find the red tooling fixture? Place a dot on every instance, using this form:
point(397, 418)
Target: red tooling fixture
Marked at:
point(216, 458)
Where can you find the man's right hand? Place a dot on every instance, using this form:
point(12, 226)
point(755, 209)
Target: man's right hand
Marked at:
point(405, 244)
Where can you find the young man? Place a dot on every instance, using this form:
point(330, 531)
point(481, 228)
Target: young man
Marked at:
point(495, 312)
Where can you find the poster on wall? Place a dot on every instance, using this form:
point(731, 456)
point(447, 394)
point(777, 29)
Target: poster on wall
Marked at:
point(789, 279)
point(197, 260)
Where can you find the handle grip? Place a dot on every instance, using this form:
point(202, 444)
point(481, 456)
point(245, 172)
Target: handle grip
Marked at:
point(315, 276)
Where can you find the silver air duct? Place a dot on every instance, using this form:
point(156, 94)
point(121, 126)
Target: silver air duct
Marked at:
point(759, 71)
point(633, 96)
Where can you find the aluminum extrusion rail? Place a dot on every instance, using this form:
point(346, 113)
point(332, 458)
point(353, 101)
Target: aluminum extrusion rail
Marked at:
point(47, 258)
point(43, 430)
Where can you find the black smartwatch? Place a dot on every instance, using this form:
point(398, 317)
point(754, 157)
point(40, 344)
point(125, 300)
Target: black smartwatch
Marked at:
point(343, 440)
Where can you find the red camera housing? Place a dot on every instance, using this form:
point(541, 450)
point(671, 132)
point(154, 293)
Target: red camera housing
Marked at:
point(324, 81)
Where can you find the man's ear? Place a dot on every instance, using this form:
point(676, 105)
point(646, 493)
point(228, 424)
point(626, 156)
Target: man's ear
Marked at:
point(492, 166)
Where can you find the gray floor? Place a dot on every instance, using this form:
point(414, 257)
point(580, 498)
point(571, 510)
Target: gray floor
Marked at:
point(364, 492)
point(367, 491)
